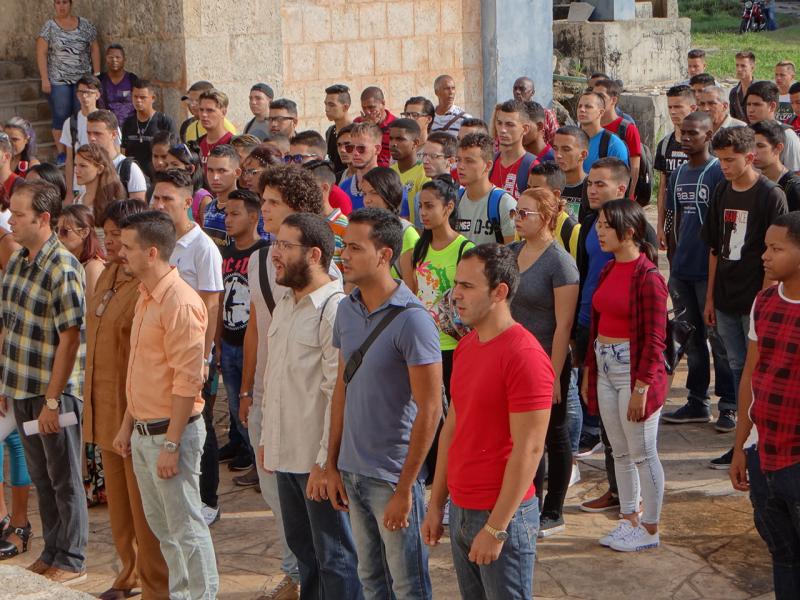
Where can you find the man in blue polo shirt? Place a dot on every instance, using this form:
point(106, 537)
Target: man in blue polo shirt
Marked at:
point(591, 107)
point(384, 420)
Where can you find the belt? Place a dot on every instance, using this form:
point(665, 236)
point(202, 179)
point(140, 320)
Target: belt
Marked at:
point(156, 427)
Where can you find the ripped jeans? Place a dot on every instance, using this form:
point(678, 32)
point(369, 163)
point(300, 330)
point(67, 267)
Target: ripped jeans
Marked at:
point(636, 462)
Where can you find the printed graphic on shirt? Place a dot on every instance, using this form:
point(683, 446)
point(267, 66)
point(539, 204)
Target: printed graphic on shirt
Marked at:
point(690, 196)
point(481, 227)
point(733, 234)
point(510, 184)
point(236, 303)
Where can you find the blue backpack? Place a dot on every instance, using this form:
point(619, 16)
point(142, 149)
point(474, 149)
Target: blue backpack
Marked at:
point(492, 210)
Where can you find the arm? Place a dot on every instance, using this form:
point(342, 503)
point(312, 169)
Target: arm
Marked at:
point(432, 529)
point(654, 309)
point(566, 299)
point(662, 209)
point(41, 62)
point(738, 470)
point(336, 491)
point(426, 389)
point(407, 271)
point(95, 57)
point(248, 365)
point(69, 171)
point(709, 315)
point(528, 430)
point(635, 162)
point(93, 270)
point(69, 341)
point(211, 300)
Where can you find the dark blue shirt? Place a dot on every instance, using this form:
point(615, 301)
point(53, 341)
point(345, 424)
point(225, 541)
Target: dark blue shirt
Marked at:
point(597, 260)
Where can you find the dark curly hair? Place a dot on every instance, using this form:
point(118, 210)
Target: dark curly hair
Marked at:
point(297, 187)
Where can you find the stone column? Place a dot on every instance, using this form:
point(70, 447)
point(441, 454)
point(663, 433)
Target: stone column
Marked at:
point(517, 41)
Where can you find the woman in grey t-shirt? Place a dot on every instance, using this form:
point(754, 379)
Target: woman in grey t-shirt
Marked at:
point(66, 50)
point(545, 305)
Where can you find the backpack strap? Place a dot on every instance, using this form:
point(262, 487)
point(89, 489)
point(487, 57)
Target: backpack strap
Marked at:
point(622, 130)
point(493, 213)
point(566, 232)
point(605, 141)
point(460, 250)
point(125, 172)
point(525, 168)
point(263, 279)
point(73, 130)
point(447, 125)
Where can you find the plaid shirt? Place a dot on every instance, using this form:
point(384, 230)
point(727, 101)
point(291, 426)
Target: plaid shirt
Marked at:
point(40, 298)
point(776, 394)
point(648, 334)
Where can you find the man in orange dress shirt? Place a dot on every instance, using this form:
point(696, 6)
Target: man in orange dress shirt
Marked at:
point(162, 428)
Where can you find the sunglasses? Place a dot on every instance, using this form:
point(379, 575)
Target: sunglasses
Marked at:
point(353, 148)
point(298, 158)
point(521, 213)
point(65, 231)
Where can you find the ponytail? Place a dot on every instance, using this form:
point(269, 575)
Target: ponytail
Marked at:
point(649, 251)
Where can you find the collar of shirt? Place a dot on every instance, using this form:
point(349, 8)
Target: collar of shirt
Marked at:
point(318, 296)
point(187, 238)
point(44, 252)
point(401, 297)
point(452, 111)
point(166, 282)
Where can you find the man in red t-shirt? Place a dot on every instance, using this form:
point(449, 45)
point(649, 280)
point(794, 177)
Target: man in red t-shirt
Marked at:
point(213, 106)
point(492, 441)
point(373, 110)
point(512, 124)
point(610, 90)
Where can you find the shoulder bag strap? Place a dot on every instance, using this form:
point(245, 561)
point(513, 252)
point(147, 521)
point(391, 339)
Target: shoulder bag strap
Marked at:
point(263, 279)
point(357, 357)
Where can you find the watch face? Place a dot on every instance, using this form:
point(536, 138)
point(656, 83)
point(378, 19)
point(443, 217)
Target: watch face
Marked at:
point(502, 536)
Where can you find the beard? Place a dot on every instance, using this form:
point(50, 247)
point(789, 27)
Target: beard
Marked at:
point(296, 275)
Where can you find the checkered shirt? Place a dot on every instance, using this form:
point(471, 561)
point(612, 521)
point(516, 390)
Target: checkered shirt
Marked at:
point(40, 298)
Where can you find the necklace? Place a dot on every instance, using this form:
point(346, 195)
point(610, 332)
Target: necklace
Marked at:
point(141, 131)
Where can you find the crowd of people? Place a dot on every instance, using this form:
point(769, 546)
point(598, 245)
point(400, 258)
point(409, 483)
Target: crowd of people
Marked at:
point(398, 302)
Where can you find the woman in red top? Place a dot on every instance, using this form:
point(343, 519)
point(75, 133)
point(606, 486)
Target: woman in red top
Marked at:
point(625, 378)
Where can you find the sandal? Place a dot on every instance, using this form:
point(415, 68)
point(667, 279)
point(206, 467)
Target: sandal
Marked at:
point(9, 549)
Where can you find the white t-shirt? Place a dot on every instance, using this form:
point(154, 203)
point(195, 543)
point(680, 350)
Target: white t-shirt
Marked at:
point(137, 182)
point(198, 261)
point(449, 120)
point(790, 157)
point(473, 221)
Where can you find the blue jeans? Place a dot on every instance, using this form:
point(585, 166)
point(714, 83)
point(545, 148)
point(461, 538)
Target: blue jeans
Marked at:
point(230, 366)
point(321, 539)
point(391, 564)
point(770, 12)
point(574, 412)
point(510, 577)
point(776, 511)
point(688, 300)
point(63, 102)
point(733, 330)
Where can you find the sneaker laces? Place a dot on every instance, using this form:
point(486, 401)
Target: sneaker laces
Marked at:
point(623, 527)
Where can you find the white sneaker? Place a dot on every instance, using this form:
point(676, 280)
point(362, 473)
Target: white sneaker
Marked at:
point(623, 525)
point(210, 515)
point(576, 475)
point(635, 539)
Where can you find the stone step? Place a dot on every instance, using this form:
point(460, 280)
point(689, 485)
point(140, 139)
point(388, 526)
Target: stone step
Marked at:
point(11, 70)
point(32, 110)
point(14, 90)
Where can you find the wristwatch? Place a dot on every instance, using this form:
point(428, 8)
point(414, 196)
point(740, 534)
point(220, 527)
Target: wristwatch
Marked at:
point(245, 395)
point(640, 389)
point(498, 534)
point(52, 403)
point(171, 447)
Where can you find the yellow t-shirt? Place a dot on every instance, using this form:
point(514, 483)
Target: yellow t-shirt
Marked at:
point(195, 131)
point(570, 233)
point(412, 180)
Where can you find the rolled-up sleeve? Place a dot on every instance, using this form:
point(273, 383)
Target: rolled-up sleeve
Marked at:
point(69, 306)
point(184, 342)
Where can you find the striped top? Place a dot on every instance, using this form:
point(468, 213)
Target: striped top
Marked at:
point(338, 223)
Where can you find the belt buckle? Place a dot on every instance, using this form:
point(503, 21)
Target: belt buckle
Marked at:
point(141, 428)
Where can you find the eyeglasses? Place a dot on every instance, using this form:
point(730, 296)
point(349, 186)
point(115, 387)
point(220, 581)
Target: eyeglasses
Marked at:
point(521, 213)
point(353, 148)
point(430, 156)
point(283, 245)
point(86, 92)
point(65, 231)
point(279, 119)
point(298, 159)
point(412, 115)
point(251, 172)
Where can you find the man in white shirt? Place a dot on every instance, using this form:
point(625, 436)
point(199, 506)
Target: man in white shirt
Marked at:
point(301, 372)
point(448, 116)
point(73, 132)
point(199, 264)
point(102, 128)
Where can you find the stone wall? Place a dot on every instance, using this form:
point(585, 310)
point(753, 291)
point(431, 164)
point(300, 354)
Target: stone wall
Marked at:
point(400, 46)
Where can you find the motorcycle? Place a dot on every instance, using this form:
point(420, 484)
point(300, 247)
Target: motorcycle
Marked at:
point(754, 17)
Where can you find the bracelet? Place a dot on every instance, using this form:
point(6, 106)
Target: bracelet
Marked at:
point(245, 395)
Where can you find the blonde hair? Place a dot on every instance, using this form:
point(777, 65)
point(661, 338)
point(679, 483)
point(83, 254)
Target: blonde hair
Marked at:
point(547, 203)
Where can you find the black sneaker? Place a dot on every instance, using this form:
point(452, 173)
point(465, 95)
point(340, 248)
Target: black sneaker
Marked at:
point(243, 462)
point(228, 452)
point(726, 421)
point(688, 413)
point(588, 445)
point(723, 462)
point(550, 524)
point(249, 479)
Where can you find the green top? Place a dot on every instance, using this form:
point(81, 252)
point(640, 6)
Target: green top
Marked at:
point(435, 274)
point(410, 237)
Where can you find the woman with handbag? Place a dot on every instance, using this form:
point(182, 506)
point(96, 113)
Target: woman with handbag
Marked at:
point(625, 376)
point(545, 305)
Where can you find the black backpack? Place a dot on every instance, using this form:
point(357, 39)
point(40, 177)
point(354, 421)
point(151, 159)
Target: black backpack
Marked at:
point(124, 172)
point(644, 184)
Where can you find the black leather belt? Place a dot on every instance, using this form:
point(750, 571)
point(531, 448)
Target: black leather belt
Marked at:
point(156, 427)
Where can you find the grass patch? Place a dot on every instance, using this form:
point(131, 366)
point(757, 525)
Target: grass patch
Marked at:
point(715, 28)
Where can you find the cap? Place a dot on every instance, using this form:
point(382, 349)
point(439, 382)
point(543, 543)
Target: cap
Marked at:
point(263, 87)
point(198, 86)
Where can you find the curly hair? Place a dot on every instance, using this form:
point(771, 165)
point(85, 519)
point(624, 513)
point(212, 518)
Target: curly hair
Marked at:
point(297, 187)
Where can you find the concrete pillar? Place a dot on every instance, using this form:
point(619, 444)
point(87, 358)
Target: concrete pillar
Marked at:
point(613, 10)
point(517, 40)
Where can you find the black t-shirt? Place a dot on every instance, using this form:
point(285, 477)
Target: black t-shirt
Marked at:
point(790, 184)
point(236, 299)
point(137, 137)
point(575, 197)
point(669, 155)
point(333, 150)
point(735, 226)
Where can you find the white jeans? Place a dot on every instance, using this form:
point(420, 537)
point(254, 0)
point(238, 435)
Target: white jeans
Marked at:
point(634, 444)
